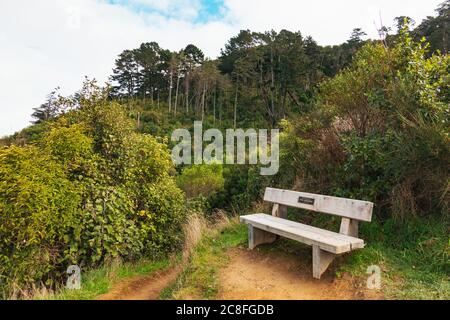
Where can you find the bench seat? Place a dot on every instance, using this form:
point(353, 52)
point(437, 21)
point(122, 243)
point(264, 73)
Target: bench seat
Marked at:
point(329, 241)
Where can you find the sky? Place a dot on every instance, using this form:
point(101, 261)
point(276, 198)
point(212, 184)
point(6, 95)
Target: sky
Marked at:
point(52, 43)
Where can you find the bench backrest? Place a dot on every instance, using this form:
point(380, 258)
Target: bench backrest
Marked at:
point(347, 208)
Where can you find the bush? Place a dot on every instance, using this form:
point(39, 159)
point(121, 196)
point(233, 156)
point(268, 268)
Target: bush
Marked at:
point(243, 185)
point(105, 228)
point(378, 132)
point(161, 217)
point(38, 206)
point(90, 190)
point(201, 180)
point(159, 202)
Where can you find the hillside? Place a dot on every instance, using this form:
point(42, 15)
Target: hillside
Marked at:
point(92, 183)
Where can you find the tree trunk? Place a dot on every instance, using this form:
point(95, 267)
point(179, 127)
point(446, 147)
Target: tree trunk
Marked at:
point(138, 120)
point(187, 91)
point(272, 85)
point(214, 105)
point(176, 95)
point(235, 105)
point(158, 100)
point(170, 91)
point(203, 101)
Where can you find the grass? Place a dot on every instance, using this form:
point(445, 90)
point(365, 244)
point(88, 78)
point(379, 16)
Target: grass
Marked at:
point(413, 256)
point(401, 278)
point(99, 281)
point(199, 280)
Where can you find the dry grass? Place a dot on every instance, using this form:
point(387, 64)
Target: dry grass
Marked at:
point(403, 200)
point(39, 292)
point(193, 230)
point(196, 226)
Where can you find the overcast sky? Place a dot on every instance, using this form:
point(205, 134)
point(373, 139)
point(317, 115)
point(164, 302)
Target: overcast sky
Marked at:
point(50, 43)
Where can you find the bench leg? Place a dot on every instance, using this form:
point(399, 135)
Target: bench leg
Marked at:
point(349, 227)
point(257, 237)
point(321, 261)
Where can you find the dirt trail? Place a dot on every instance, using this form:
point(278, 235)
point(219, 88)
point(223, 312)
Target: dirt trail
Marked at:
point(142, 288)
point(252, 275)
point(255, 275)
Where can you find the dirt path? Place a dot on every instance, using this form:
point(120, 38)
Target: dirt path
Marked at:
point(255, 275)
point(252, 275)
point(142, 288)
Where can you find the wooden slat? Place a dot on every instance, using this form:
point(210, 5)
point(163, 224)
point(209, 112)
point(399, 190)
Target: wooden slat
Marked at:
point(355, 242)
point(324, 239)
point(348, 208)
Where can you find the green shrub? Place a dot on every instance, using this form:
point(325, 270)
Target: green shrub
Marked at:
point(201, 180)
point(243, 185)
point(160, 204)
point(38, 206)
point(68, 144)
point(378, 132)
point(161, 216)
point(105, 227)
point(90, 190)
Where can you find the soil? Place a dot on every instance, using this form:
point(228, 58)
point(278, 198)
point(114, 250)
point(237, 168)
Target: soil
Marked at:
point(142, 288)
point(256, 275)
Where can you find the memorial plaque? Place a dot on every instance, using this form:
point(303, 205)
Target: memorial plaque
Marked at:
point(304, 200)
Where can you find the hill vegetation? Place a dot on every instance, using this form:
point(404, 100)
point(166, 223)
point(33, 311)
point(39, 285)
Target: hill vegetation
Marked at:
point(92, 181)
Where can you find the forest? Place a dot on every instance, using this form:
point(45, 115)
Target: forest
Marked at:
point(91, 181)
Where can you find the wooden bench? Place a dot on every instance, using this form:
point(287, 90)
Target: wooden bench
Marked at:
point(263, 228)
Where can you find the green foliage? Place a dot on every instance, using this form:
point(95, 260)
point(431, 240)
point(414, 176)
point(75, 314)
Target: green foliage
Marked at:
point(90, 191)
point(413, 256)
point(201, 180)
point(435, 29)
point(105, 228)
point(160, 204)
point(243, 185)
point(161, 215)
point(38, 206)
point(379, 132)
point(68, 145)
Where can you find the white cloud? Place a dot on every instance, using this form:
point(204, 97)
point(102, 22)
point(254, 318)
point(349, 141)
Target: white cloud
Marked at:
point(44, 45)
point(50, 43)
point(327, 21)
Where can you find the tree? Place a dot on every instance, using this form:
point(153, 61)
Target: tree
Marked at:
point(173, 66)
point(126, 74)
point(50, 109)
point(148, 59)
point(403, 21)
point(356, 37)
point(436, 29)
point(192, 58)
